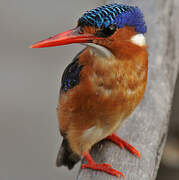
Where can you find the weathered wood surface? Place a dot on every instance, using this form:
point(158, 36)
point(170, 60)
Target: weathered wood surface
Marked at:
point(147, 128)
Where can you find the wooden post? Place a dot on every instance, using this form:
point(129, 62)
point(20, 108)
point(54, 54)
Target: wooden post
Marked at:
point(147, 128)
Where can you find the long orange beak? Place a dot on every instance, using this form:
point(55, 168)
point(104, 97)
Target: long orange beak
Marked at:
point(67, 37)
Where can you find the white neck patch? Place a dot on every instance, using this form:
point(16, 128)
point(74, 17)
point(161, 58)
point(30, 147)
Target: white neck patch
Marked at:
point(98, 50)
point(139, 40)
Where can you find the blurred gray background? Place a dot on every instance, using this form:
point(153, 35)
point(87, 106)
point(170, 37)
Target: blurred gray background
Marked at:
point(30, 81)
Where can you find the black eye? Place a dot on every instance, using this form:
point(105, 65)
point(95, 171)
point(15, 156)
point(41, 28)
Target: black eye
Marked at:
point(106, 32)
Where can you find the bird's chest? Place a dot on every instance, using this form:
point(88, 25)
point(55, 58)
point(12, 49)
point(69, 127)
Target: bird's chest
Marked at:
point(104, 78)
point(116, 79)
point(107, 90)
point(115, 87)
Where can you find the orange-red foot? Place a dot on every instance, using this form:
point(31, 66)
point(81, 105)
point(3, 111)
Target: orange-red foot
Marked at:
point(107, 168)
point(123, 144)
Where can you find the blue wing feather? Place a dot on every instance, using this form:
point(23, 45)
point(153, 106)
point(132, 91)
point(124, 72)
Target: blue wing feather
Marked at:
point(71, 75)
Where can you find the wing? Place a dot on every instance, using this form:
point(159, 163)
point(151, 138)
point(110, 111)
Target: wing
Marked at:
point(71, 75)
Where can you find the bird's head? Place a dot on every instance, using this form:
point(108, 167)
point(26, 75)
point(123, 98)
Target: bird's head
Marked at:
point(105, 29)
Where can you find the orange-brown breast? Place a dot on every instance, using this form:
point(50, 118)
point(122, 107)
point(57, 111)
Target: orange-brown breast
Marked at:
point(108, 92)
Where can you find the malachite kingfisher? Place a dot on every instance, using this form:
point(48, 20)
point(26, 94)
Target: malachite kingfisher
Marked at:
point(103, 84)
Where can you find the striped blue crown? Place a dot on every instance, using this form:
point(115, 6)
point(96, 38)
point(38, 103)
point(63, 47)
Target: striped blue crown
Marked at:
point(119, 14)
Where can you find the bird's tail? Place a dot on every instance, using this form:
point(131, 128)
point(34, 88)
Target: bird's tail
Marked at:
point(66, 157)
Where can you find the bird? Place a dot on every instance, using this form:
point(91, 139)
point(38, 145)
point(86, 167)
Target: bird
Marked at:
point(103, 84)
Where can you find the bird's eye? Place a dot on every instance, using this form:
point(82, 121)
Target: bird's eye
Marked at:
point(106, 32)
point(81, 30)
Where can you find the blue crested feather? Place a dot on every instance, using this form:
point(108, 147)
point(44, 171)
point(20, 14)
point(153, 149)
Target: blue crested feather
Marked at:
point(119, 14)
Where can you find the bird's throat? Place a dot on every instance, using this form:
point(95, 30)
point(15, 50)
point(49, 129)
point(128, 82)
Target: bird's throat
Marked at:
point(98, 50)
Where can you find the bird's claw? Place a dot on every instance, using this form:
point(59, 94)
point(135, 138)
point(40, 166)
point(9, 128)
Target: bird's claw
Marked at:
point(123, 144)
point(103, 167)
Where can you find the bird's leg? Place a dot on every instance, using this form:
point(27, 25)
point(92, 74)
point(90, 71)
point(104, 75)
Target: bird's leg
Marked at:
point(107, 168)
point(123, 144)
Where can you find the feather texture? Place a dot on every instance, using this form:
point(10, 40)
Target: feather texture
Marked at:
point(119, 14)
point(71, 75)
